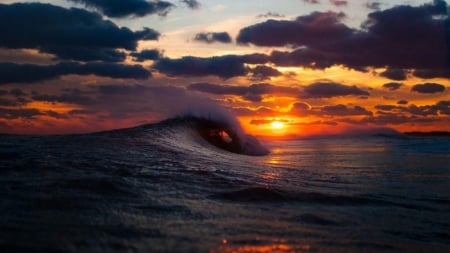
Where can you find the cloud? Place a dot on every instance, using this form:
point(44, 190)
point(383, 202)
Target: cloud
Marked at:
point(339, 110)
point(342, 110)
point(68, 33)
point(330, 89)
point(403, 37)
point(390, 119)
point(302, 57)
point(121, 9)
point(211, 37)
point(316, 28)
point(441, 107)
point(392, 86)
point(270, 15)
point(6, 113)
point(263, 72)
point(252, 93)
point(386, 107)
point(260, 111)
point(149, 54)
point(85, 53)
point(312, 1)
point(428, 88)
point(373, 5)
point(16, 92)
point(72, 96)
point(402, 102)
point(193, 4)
point(432, 73)
point(394, 74)
point(11, 103)
point(25, 73)
point(339, 3)
point(225, 67)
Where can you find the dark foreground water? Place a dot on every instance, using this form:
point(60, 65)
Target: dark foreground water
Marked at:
point(163, 188)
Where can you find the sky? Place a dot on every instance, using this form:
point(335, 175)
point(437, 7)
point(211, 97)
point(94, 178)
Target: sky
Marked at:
point(283, 68)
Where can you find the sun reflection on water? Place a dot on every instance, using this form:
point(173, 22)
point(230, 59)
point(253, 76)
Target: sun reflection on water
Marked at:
point(274, 247)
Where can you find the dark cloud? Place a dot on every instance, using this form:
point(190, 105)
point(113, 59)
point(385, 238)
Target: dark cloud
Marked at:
point(254, 58)
point(150, 54)
point(373, 5)
point(316, 28)
point(72, 96)
point(395, 74)
point(403, 37)
point(85, 53)
point(120, 101)
point(428, 88)
point(18, 113)
point(3, 92)
point(55, 115)
point(302, 57)
point(24, 73)
point(402, 102)
point(300, 109)
point(8, 102)
point(263, 72)
point(270, 15)
point(391, 119)
point(386, 107)
point(432, 73)
point(301, 106)
point(409, 37)
point(252, 93)
point(441, 107)
point(392, 86)
point(339, 3)
point(342, 110)
point(193, 4)
point(121, 8)
point(211, 37)
point(312, 1)
point(225, 67)
point(16, 92)
point(424, 110)
point(330, 89)
point(68, 33)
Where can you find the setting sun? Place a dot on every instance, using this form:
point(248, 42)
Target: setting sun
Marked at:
point(277, 125)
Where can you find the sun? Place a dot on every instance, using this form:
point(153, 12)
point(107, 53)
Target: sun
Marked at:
point(277, 125)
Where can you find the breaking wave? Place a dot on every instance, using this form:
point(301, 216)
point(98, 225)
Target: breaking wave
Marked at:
point(223, 134)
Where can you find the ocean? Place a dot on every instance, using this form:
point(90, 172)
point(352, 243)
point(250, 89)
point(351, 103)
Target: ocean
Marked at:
point(183, 186)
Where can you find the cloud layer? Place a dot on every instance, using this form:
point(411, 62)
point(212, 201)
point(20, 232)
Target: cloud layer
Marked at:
point(121, 9)
point(67, 33)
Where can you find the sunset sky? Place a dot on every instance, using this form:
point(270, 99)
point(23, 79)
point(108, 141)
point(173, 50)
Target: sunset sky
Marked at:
point(284, 67)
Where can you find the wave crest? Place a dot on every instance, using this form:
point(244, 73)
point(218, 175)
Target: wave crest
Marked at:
point(223, 134)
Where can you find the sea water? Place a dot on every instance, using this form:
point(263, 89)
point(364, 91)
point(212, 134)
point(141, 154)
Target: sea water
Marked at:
point(162, 188)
